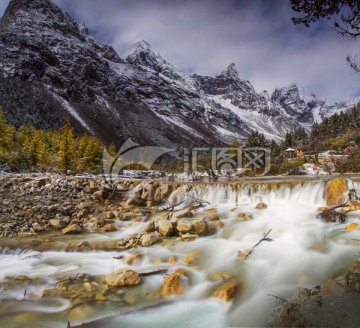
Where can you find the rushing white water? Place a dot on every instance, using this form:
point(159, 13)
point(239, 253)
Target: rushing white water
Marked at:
point(305, 251)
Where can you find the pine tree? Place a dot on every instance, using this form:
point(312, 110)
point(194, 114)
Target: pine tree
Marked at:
point(256, 139)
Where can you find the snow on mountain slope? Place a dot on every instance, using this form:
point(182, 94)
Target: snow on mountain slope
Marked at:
point(65, 71)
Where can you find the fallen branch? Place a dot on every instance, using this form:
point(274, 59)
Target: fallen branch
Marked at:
point(161, 271)
point(330, 215)
point(278, 299)
point(265, 238)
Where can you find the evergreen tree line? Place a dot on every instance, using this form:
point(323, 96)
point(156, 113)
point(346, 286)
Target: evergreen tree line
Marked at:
point(319, 135)
point(28, 148)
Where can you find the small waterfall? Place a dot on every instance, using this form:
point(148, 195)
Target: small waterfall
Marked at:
point(250, 193)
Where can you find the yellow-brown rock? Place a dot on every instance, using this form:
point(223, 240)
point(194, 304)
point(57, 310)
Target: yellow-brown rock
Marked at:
point(109, 227)
point(200, 227)
point(211, 210)
point(133, 259)
point(354, 205)
point(213, 217)
point(123, 277)
point(172, 259)
point(334, 192)
point(261, 206)
point(181, 272)
point(227, 291)
point(173, 285)
point(72, 229)
point(192, 257)
point(352, 226)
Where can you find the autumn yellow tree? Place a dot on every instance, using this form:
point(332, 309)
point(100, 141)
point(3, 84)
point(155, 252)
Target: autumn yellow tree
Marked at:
point(66, 156)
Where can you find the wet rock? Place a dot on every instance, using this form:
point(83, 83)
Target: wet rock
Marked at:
point(219, 224)
point(192, 258)
point(184, 226)
point(213, 217)
point(182, 214)
point(188, 236)
point(127, 217)
point(351, 205)
point(72, 229)
point(150, 227)
point(218, 276)
point(173, 285)
point(211, 210)
point(352, 227)
point(123, 277)
point(165, 227)
point(109, 227)
point(261, 206)
point(226, 291)
point(245, 216)
point(334, 192)
point(134, 259)
point(149, 239)
point(172, 260)
point(200, 227)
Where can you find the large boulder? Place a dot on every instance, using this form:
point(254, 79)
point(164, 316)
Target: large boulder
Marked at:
point(334, 192)
point(165, 227)
point(123, 277)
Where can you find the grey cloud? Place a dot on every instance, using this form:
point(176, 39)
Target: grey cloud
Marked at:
point(205, 36)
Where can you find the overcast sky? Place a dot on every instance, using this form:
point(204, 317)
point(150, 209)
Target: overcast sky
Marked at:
point(205, 36)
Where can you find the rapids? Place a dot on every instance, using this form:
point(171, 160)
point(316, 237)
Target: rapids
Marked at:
point(304, 251)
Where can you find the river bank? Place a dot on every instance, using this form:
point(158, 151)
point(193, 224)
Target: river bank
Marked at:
point(189, 244)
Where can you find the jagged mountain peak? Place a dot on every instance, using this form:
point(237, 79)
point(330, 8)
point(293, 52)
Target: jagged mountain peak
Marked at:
point(18, 9)
point(143, 46)
point(144, 55)
point(145, 58)
point(231, 71)
point(39, 18)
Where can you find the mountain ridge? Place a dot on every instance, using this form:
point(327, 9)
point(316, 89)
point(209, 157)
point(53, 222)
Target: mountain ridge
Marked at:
point(65, 71)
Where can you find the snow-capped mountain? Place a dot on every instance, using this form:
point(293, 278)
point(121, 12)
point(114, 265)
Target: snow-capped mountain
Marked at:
point(50, 67)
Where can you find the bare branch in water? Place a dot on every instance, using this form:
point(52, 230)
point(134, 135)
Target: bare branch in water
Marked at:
point(265, 238)
point(278, 299)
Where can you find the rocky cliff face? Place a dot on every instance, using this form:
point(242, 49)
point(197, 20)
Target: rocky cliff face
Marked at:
point(50, 67)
